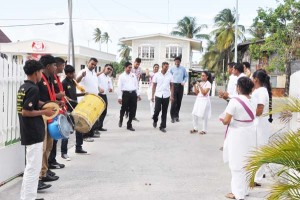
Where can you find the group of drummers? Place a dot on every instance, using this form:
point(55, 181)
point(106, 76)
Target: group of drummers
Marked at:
point(48, 110)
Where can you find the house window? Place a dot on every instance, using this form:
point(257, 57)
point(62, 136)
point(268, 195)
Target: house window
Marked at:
point(146, 52)
point(173, 51)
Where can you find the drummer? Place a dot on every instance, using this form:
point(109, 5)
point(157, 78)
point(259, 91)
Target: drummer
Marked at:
point(88, 79)
point(69, 86)
point(47, 93)
point(59, 92)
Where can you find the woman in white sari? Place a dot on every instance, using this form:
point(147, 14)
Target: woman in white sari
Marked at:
point(263, 96)
point(240, 136)
point(202, 106)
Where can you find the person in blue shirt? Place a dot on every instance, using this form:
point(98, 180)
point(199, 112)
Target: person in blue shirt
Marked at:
point(180, 77)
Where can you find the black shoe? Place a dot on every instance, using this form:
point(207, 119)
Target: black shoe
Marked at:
point(56, 165)
point(135, 119)
point(40, 199)
point(43, 186)
point(80, 151)
point(102, 129)
point(120, 124)
point(48, 178)
point(162, 130)
point(51, 173)
point(95, 136)
point(177, 119)
point(131, 129)
point(97, 132)
point(173, 120)
point(154, 124)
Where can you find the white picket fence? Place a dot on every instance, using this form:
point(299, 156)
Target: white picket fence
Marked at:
point(12, 154)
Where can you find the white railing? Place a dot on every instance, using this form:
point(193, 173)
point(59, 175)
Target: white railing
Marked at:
point(11, 152)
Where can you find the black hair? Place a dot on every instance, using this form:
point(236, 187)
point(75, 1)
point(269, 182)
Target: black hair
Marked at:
point(264, 80)
point(93, 59)
point(127, 64)
point(59, 60)
point(164, 63)
point(32, 66)
point(138, 60)
point(108, 65)
point(156, 65)
point(209, 77)
point(177, 58)
point(239, 67)
point(245, 84)
point(69, 69)
point(247, 65)
point(47, 60)
point(231, 64)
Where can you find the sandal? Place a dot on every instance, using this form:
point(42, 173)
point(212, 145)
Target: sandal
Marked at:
point(193, 131)
point(230, 196)
point(202, 132)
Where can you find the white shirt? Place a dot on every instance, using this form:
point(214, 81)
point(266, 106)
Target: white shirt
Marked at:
point(127, 82)
point(205, 85)
point(162, 84)
point(262, 97)
point(105, 83)
point(231, 87)
point(138, 72)
point(235, 94)
point(90, 81)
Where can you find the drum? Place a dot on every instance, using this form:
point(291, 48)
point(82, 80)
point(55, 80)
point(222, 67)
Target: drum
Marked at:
point(87, 112)
point(53, 105)
point(60, 128)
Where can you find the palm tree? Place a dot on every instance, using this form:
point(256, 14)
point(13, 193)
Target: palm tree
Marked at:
point(284, 151)
point(257, 30)
point(124, 52)
point(225, 31)
point(106, 39)
point(213, 58)
point(98, 36)
point(187, 27)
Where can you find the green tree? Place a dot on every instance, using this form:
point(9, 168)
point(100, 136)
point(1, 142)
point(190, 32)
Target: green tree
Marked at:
point(225, 31)
point(106, 38)
point(124, 52)
point(187, 27)
point(283, 26)
point(98, 37)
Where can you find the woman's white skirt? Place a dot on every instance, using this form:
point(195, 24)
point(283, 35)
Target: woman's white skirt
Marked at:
point(202, 107)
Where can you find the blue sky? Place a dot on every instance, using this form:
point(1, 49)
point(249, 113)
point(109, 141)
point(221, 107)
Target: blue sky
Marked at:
point(120, 18)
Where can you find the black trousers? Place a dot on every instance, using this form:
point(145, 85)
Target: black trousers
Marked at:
point(52, 156)
point(103, 115)
point(79, 140)
point(129, 102)
point(161, 104)
point(176, 104)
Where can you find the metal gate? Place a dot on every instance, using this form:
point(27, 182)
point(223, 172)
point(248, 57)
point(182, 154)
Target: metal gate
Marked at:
point(12, 154)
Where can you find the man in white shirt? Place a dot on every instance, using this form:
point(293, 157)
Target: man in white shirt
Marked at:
point(137, 70)
point(88, 79)
point(128, 95)
point(105, 86)
point(162, 89)
point(237, 72)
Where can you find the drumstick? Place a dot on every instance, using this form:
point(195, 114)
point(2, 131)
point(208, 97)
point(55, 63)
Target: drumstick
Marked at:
point(68, 101)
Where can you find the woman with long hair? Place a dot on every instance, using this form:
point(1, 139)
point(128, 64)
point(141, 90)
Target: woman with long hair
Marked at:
point(202, 106)
point(240, 136)
point(263, 95)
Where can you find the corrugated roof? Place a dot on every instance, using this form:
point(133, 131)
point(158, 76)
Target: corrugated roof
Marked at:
point(4, 38)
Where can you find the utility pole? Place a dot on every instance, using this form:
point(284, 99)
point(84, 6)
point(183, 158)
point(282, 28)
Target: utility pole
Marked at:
point(71, 58)
point(236, 30)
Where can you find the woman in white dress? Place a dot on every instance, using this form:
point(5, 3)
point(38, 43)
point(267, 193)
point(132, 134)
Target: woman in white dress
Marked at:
point(149, 91)
point(202, 106)
point(240, 136)
point(263, 95)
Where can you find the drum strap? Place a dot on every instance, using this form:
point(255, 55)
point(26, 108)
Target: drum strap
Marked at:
point(51, 90)
point(61, 89)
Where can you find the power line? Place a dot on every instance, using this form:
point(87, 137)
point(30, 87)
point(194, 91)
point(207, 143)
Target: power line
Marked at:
point(16, 25)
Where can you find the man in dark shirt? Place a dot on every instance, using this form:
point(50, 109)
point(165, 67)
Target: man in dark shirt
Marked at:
point(59, 94)
point(47, 93)
point(32, 128)
point(69, 86)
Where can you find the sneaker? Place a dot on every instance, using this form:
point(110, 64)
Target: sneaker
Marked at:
point(88, 139)
point(56, 165)
point(65, 156)
point(43, 186)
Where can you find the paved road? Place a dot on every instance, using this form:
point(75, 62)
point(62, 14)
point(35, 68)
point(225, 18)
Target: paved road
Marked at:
point(146, 164)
